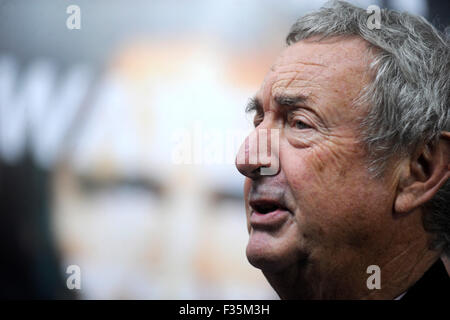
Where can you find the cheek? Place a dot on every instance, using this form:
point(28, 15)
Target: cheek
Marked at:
point(320, 169)
point(333, 194)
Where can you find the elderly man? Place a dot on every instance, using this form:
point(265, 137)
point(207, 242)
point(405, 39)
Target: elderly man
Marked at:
point(355, 189)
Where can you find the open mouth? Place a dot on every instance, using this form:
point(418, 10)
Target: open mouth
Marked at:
point(266, 206)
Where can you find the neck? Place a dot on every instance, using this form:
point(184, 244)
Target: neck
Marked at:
point(400, 266)
point(401, 272)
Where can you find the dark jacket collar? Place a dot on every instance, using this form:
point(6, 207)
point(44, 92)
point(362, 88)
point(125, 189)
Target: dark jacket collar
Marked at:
point(434, 285)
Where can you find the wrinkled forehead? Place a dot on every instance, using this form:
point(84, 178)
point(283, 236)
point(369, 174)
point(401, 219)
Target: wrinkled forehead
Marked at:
point(338, 63)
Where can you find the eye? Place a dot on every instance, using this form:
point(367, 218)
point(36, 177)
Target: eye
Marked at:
point(301, 125)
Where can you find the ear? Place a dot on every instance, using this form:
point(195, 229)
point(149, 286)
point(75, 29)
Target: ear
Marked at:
point(427, 171)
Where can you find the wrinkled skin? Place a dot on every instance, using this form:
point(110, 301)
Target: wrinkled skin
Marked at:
point(340, 219)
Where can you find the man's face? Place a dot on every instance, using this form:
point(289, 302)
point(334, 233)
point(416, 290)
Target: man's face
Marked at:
point(320, 215)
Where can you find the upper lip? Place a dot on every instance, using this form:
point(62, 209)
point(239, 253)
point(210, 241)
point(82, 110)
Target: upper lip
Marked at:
point(266, 205)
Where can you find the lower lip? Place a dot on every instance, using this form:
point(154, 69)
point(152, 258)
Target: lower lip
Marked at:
point(271, 219)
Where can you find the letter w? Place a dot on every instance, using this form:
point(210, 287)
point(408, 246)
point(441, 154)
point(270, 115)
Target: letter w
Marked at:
point(38, 113)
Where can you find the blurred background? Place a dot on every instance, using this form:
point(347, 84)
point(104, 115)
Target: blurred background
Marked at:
point(117, 143)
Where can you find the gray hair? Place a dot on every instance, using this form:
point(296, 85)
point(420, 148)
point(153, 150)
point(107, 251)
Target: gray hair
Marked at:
point(409, 94)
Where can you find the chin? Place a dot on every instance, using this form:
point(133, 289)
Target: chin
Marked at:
point(268, 253)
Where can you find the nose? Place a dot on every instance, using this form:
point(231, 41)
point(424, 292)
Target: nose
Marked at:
point(259, 154)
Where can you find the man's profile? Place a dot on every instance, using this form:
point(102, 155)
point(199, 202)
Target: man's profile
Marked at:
point(363, 159)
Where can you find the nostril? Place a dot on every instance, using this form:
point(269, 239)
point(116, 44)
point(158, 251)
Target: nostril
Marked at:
point(256, 172)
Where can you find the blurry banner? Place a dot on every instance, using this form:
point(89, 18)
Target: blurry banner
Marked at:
point(138, 224)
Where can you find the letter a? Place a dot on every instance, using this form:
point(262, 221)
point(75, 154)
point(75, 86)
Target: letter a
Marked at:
point(374, 281)
point(374, 20)
point(74, 20)
point(74, 280)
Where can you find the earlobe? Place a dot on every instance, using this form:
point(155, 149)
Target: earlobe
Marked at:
point(425, 175)
point(404, 202)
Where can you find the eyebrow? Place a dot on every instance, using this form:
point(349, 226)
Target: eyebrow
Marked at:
point(284, 100)
point(254, 105)
point(290, 101)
